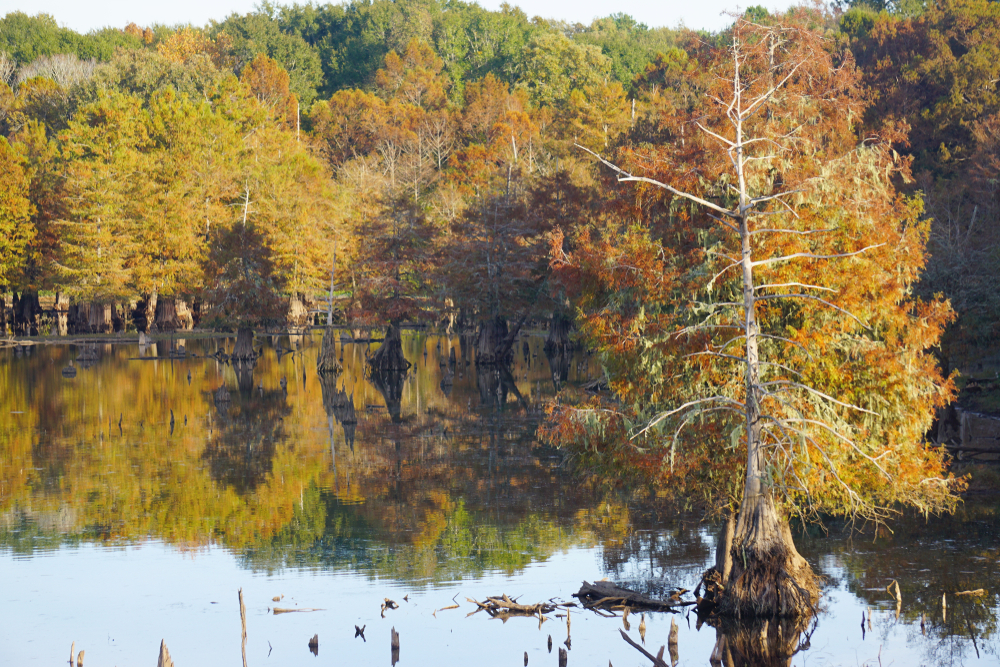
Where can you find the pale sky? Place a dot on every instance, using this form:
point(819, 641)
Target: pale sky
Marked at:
point(83, 16)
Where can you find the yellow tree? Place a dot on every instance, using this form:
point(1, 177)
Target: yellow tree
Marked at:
point(16, 230)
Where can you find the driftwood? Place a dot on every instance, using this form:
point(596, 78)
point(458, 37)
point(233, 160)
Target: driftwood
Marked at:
point(606, 595)
point(389, 604)
point(243, 622)
point(504, 607)
point(281, 610)
point(600, 384)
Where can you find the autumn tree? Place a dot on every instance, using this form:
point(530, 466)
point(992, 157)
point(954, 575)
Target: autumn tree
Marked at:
point(756, 282)
point(414, 76)
point(268, 82)
point(16, 230)
point(279, 230)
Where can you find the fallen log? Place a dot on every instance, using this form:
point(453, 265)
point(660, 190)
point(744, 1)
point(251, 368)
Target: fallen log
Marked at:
point(280, 610)
point(607, 595)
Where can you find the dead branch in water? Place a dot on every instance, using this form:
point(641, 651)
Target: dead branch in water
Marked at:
point(243, 621)
point(657, 659)
point(606, 595)
point(503, 607)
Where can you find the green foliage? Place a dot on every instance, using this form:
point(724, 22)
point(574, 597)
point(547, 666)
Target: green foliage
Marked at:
point(27, 38)
point(258, 33)
point(354, 38)
point(629, 45)
point(554, 65)
point(143, 72)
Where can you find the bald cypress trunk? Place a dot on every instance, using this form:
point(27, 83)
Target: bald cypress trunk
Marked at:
point(327, 361)
point(558, 339)
point(243, 350)
point(768, 576)
point(389, 357)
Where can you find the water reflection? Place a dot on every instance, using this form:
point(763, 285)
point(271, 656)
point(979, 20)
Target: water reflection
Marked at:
point(424, 478)
point(171, 440)
point(243, 435)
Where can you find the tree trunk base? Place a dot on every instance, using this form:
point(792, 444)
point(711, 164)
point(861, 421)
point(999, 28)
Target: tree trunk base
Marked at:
point(558, 339)
point(389, 357)
point(768, 577)
point(495, 343)
point(298, 314)
point(327, 361)
point(243, 350)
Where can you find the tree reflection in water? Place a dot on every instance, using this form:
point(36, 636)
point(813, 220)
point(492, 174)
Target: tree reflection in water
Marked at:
point(339, 407)
point(559, 363)
point(760, 642)
point(246, 429)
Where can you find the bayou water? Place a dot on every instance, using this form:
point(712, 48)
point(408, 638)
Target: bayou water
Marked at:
point(136, 500)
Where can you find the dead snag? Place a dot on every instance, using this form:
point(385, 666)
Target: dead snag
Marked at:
point(164, 659)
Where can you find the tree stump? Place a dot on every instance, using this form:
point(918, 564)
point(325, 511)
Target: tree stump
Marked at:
point(327, 361)
point(389, 357)
point(243, 350)
point(558, 339)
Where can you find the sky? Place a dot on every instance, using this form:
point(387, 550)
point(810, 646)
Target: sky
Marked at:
point(84, 16)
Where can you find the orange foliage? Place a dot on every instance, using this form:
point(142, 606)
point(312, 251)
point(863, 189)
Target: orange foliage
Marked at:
point(848, 384)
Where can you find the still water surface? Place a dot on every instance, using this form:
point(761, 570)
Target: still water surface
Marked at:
point(135, 501)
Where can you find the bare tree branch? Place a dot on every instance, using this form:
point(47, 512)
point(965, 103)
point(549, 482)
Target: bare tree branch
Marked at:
point(825, 289)
point(809, 255)
point(663, 415)
point(624, 176)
